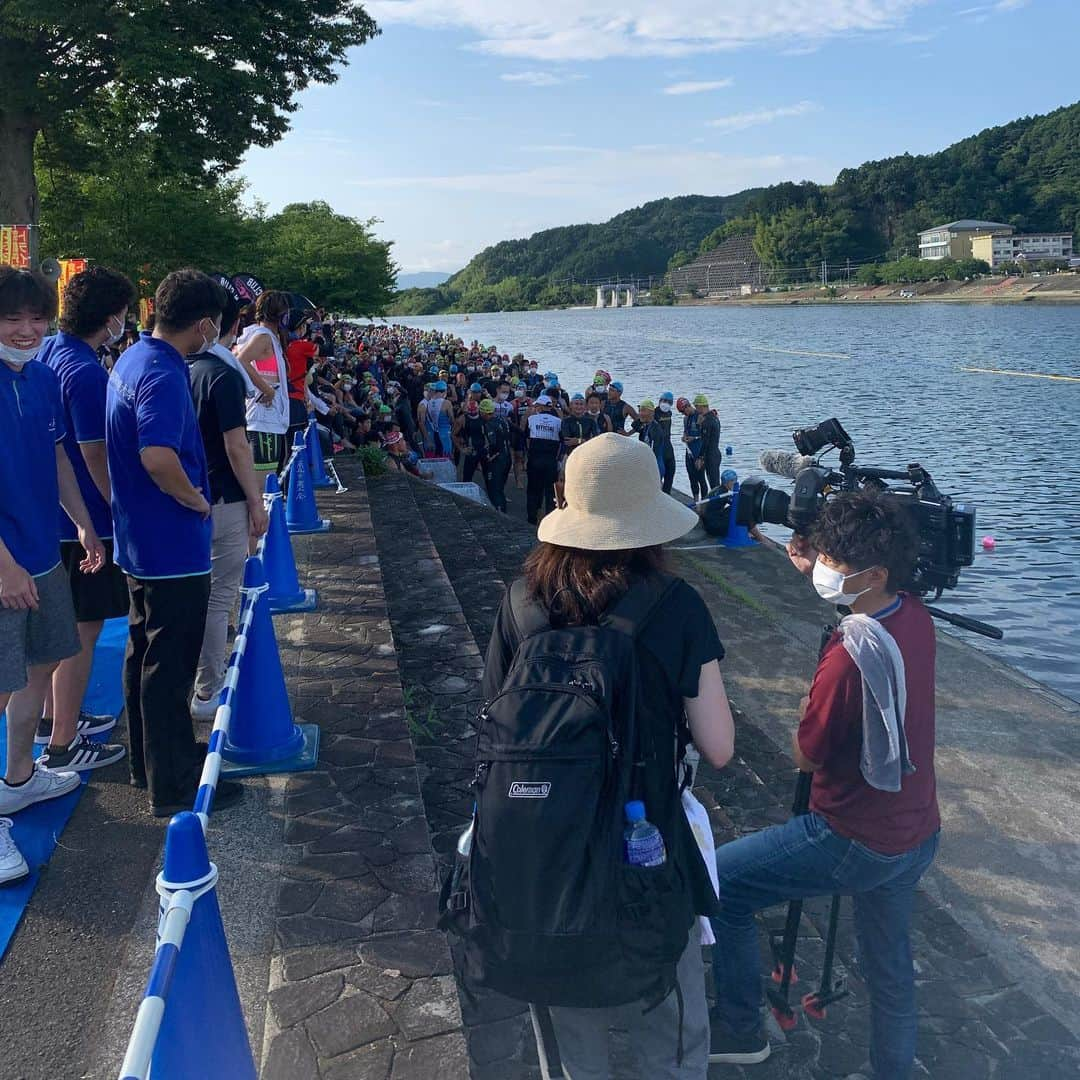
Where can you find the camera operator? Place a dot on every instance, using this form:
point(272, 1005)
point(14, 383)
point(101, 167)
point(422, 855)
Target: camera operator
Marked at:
point(872, 826)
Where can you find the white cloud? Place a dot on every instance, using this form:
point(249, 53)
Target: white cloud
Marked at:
point(622, 177)
point(680, 88)
point(554, 30)
point(742, 121)
point(539, 78)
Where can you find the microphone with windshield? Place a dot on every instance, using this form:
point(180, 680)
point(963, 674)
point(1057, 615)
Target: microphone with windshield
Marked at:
point(784, 462)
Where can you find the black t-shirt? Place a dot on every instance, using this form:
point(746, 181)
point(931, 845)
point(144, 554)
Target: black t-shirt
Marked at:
point(220, 406)
point(678, 639)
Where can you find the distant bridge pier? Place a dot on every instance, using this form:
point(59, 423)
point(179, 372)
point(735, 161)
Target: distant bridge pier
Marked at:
point(615, 292)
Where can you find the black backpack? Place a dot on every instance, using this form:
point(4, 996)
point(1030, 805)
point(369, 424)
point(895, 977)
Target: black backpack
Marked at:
point(547, 909)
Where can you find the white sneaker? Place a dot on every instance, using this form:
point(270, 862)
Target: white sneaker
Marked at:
point(203, 710)
point(13, 866)
point(43, 784)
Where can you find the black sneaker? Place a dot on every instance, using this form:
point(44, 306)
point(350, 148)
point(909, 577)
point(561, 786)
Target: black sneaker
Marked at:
point(727, 1048)
point(87, 724)
point(228, 793)
point(83, 755)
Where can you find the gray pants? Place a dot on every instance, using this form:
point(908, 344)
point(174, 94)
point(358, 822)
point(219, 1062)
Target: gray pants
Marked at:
point(654, 1036)
point(227, 555)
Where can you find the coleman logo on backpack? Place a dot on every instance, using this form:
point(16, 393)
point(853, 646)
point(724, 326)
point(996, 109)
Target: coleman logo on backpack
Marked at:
point(521, 790)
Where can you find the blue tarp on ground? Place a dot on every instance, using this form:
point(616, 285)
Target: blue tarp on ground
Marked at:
point(37, 828)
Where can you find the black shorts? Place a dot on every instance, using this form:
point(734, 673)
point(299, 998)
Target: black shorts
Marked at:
point(268, 448)
point(99, 596)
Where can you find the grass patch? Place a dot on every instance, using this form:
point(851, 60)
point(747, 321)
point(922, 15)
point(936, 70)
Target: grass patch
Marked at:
point(373, 460)
point(727, 588)
point(422, 727)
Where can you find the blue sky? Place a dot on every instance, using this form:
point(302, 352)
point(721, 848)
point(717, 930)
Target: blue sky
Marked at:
point(472, 121)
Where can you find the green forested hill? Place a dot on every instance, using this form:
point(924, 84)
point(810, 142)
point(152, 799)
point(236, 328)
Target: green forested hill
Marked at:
point(1026, 173)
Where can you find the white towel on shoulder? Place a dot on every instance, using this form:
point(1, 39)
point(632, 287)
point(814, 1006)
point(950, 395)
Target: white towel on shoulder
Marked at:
point(884, 761)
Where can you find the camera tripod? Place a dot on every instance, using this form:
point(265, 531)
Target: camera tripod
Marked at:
point(815, 1003)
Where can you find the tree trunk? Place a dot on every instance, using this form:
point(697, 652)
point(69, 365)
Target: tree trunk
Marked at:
point(18, 187)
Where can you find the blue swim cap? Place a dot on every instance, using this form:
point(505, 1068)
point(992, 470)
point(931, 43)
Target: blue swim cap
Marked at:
point(453, 369)
point(616, 385)
point(667, 395)
point(440, 385)
point(728, 475)
point(578, 397)
point(476, 388)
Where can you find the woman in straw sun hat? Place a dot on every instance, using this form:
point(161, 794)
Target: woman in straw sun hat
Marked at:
point(607, 542)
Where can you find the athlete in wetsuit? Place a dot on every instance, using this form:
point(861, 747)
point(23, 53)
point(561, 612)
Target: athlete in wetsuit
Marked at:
point(663, 418)
point(494, 454)
point(617, 410)
point(695, 459)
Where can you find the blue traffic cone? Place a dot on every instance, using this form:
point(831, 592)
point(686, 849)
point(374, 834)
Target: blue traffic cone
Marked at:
point(319, 477)
point(262, 737)
point(278, 561)
point(202, 1029)
point(738, 536)
point(301, 513)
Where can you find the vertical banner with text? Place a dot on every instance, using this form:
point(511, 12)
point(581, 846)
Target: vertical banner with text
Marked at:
point(68, 269)
point(15, 246)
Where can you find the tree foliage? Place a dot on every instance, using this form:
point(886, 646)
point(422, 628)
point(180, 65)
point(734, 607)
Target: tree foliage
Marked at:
point(334, 259)
point(130, 213)
point(209, 79)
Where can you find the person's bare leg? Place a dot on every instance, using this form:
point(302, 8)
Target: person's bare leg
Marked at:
point(23, 714)
point(69, 684)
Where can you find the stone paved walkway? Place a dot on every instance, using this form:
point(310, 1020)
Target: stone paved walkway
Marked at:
point(360, 986)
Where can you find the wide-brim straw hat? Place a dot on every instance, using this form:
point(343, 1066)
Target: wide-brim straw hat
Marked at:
point(614, 501)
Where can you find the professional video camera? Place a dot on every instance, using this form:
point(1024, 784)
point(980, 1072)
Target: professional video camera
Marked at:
point(946, 528)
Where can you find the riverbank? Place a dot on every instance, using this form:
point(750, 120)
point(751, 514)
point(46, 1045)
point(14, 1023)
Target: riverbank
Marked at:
point(1056, 288)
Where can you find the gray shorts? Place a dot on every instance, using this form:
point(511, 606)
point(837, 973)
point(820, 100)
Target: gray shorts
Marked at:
point(44, 636)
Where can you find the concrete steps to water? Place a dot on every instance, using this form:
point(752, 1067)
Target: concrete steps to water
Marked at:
point(441, 663)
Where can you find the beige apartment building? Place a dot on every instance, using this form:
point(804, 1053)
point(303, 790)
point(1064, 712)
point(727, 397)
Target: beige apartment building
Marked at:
point(953, 241)
point(993, 241)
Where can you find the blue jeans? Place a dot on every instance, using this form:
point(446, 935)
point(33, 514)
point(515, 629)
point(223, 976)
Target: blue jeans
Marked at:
point(805, 858)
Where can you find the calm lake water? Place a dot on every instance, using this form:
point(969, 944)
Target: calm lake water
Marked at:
point(894, 378)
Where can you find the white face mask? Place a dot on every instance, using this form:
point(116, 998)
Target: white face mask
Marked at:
point(17, 357)
point(209, 343)
point(664, 407)
point(830, 583)
point(112, 339)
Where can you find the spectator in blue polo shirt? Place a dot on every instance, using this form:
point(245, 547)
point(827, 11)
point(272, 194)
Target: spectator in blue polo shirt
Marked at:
point(161, 526)
point(37, 622)
point(94, 312)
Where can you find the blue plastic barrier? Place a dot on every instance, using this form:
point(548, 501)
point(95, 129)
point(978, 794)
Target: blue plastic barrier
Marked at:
point(301, 513)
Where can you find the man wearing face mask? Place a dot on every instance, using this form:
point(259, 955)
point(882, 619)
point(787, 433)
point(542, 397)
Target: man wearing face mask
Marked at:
point(95, 308)
point(161, 519)
point(37, 621)
point(238, 515)
point(872, 826)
